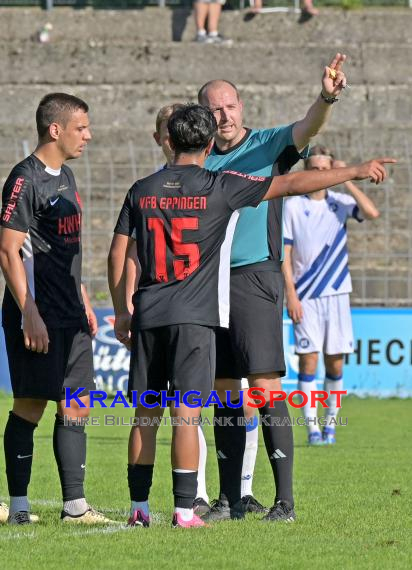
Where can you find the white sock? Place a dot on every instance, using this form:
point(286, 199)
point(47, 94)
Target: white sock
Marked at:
point(19, 504)
point(76, 507)
point(201, 32)
point(249, 457)
point(186, 514)
point(213, 34)
point(141, 505)
point(308, 384)
point(201, 471)
point(332, 410)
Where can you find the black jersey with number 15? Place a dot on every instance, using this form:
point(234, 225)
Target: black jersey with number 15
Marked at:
point(180, 218)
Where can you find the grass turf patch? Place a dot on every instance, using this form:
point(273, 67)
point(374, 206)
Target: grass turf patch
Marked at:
point(352, 501)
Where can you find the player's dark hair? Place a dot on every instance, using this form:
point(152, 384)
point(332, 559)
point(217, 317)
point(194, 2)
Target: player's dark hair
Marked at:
point(57, 108)
point(319, 150)
point(191, 128)
point(202, 96)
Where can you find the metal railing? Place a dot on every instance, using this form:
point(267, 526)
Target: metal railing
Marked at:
point(269, 5)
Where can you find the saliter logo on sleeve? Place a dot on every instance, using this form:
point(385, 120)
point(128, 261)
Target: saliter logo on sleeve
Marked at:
point(18, 185)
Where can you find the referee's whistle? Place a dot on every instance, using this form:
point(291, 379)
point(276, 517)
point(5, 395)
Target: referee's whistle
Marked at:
point(333, 75)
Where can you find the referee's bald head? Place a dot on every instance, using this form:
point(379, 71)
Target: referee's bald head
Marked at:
point(202, 96)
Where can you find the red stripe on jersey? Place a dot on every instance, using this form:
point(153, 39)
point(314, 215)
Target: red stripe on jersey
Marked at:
point(247, 176)
point(79, 200)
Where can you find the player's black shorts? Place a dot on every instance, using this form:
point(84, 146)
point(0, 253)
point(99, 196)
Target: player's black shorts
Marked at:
point(253, 343)
point(69, 363)
point(175, 357)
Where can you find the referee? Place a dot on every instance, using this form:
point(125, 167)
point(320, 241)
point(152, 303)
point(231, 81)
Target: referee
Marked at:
point(253, 346)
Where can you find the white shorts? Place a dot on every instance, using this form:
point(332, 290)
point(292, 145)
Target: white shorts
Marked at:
point(326, 326)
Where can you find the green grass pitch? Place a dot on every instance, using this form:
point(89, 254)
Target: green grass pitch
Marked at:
point(353, 503)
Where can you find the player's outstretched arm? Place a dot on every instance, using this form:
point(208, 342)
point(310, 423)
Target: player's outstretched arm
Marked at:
point(366, 206)
point(35, 333)
point(305, 182)
point(117, 285)
point(333, 82)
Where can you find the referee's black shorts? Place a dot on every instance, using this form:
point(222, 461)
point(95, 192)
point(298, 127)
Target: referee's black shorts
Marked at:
point(175, 357)
point(68, 364)
point(253, 344)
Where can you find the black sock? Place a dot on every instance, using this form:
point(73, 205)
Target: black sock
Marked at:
point(279, 446)
point(230, 441)
point(18, 451)
point(184, 489)
point(69, 446)
point(139, 478)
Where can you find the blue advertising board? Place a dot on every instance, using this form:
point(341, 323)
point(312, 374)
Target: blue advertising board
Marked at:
point(381, 364)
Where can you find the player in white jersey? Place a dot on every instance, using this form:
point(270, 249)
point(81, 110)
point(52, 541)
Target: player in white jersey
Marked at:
point(318, 284)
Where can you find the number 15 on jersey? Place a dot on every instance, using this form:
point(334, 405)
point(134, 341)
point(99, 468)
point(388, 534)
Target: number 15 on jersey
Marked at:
point(187, 254)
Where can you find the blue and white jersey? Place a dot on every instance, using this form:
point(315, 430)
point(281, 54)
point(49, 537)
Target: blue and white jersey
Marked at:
point(317, 231)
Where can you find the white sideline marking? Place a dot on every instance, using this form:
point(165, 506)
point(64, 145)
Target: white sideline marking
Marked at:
point(41, 502)
point(104, 530)
point(13, 535)
point(155, 518)
point(59, 504)
point(113, 511)
point(46, 502)
point(158, 518)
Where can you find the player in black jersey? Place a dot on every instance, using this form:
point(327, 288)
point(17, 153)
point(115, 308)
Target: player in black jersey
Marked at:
point(180, 217)
point(132, 269)
point(47, 318)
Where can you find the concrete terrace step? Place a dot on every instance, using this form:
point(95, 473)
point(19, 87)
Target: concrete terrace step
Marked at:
point(336, 27)
point(120, 113)
point(79, 63)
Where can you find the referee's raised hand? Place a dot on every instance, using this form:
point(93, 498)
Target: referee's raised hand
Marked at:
point(334, 79)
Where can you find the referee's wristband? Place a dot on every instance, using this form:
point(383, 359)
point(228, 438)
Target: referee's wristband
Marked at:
point(328, 100)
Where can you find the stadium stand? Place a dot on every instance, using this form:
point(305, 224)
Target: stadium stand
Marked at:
point(126, 65)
